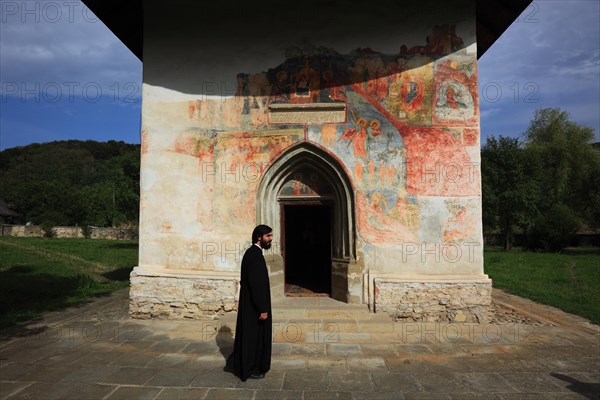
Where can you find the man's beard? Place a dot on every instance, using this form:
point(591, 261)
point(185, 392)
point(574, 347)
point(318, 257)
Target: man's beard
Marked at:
point(264, 245)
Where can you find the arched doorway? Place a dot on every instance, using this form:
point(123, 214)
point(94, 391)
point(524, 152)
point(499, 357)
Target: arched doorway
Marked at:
point(306, 196)
point(306, 211)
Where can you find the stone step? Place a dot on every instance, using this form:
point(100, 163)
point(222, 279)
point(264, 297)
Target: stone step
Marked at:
point(327, 315)
point(312, 332)
point(315, 331)
point(323, 310)
point(315, 302)
point(310, 321)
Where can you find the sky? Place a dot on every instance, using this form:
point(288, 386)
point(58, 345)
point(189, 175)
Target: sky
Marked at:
point(549, 57)
point(64, 75)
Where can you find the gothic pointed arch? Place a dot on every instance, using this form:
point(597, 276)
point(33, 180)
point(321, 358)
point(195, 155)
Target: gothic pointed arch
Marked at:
point(308, 156)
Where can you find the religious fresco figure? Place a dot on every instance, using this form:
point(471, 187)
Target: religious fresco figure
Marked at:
point(358, 137)
point(450, 98)
point(454, 101)
point(306, 182)
point(335, 92)
point(379, 203)
point(280, 88)
point(358, 171)
point(373, 128)
point(328, 134)
point(372, 171)
point(305, 85)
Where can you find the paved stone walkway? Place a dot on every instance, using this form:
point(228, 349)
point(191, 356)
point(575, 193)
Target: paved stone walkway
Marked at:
point(322, 349)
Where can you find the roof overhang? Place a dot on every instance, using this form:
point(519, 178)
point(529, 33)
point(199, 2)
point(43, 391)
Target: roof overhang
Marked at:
point(125, 20)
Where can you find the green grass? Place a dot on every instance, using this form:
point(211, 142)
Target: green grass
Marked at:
point(44, 274)
point(569, 280)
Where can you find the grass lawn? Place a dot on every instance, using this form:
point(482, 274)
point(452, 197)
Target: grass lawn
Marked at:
point(43, 274)
point(569, 280)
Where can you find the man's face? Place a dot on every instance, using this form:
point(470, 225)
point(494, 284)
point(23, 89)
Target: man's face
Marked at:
point(265, 241)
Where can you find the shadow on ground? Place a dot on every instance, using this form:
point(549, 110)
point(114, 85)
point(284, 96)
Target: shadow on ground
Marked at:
point(224, 341)
point(589, 390)
point(119, 274)
point(25, 293)
point(120, 245)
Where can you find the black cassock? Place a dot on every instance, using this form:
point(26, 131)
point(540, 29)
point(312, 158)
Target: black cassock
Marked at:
point(252, 346)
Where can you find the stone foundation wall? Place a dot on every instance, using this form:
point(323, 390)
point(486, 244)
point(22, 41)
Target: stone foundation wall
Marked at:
point(21, 230)
point(434, 301)
point(180, 297)
point(67, 232)
point(113, 233)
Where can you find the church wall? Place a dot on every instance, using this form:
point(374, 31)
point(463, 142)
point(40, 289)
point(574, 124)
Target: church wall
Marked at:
point(407, 138)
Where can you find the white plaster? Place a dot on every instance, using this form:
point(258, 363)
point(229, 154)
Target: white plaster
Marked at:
point(148, 179)
point(433, 213)
point(475, 155)
point(158, 94)
point(472, 49)
point(429, 259)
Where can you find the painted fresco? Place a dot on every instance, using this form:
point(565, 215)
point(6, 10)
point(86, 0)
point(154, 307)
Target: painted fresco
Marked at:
point(410, 92)
point(230, 166)
point(411, 118)
point(243, 157)
point(454, 100)
point(387, 216)
point(220, 115)
point(446, 220)
point(200, 145)
point(463, 224)
point(306, 182)
point(386, 136)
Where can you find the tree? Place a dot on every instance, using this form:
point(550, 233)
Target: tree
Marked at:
point(548, 185)
point(508, 193)
point(565, 167)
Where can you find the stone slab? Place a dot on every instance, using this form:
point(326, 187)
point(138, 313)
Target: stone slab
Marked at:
point(157, 366)
point(134, 392)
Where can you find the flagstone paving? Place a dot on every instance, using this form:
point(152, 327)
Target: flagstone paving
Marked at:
point(322, 349)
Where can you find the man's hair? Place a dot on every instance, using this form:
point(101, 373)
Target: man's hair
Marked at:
point(259, 231)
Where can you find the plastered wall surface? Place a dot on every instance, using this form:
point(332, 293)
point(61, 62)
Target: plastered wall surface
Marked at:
point(385, 118)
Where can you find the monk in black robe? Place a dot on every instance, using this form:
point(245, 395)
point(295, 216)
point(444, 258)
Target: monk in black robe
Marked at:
point(251, 357)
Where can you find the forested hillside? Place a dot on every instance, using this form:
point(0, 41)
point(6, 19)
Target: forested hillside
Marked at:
point(72, 182)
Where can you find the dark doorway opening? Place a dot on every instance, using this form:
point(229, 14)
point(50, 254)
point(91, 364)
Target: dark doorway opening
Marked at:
point(307, 243)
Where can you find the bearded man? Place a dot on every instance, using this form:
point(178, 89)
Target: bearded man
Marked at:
point(251, 357)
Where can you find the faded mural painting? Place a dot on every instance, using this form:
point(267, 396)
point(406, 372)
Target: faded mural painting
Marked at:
point(411, 121)
point(401, 129)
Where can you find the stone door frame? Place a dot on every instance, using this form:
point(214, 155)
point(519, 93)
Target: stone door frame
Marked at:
point(343, 229)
